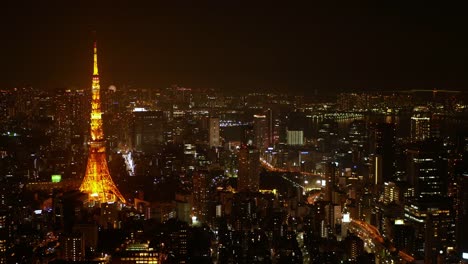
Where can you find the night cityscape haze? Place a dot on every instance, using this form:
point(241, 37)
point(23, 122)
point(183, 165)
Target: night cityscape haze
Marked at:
point(232, 133)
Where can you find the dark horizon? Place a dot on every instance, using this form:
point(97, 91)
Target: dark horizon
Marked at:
point(231, 47)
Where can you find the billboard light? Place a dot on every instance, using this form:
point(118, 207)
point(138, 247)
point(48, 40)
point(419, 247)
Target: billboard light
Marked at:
point(56, 178)
point(346, 218)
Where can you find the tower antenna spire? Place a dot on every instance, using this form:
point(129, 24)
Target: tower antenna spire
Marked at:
point(95, 68)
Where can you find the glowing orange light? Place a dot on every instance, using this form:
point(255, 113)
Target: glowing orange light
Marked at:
point(97, 182)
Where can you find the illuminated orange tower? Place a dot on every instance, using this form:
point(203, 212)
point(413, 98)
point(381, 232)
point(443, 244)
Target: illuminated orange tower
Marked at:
point(97, 182)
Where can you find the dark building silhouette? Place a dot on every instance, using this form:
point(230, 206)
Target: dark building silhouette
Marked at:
point(427, 169)
point(148, 129)
point(248, 169)
point(384, 145)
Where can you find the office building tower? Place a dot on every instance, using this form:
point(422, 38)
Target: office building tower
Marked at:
point(248, 176)
point(403, 236)
point(4, 236)
point(384, 143)
point(327, 135)
point(420, 124)
point(354, 246)
point(391, 193)
point(200, 188)
point(261, 135)
point(214, 139)
point(73, 247)
point(433, 220)
point(462, 216)
point(427, 169)
point(270, 123)
point(147, 129)
point(358, 135)
point(295, 137)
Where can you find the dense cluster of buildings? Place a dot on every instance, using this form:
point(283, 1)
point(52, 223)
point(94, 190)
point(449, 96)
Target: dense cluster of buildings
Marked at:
point(257, 178)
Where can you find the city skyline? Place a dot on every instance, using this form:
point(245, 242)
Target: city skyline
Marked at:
point(304, 49)
point(226, 135)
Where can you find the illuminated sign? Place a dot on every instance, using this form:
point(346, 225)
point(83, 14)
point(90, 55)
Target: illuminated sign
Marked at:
point(346, 218)
point(399, 222)
point(139, 109)
point(465, 255)
point(56, 178)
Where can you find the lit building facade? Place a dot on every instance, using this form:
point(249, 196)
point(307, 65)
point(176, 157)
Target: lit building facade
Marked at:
point(138, 253)
point(200, 194)
point(427, 169)
point(248, 169)
point(295, 137)
point(260, 126)
point(73, 247)
point(214, 140)
point(420, 124)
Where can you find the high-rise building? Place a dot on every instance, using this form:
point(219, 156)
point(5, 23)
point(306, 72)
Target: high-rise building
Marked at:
point(358, 135)
point(420, 124)
point(427, 169)
point(433, 220)
point(3, 236)
point(391, 193)
point(270, 123)
point(73, 247)
point(384, 142)
point(462, 216)
point(200, 194)
point(327, 135)
point(97, 182)
point(403, 236)
point(261, 132)
point(295, 137)
point(354, 246)
point(248, 169)
point(147, 129)
point(214, 132)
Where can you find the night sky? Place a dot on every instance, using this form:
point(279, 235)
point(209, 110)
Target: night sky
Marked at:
point(234, 46)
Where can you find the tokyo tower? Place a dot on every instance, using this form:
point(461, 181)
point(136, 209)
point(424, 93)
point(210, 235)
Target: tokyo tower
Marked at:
point(97, 182)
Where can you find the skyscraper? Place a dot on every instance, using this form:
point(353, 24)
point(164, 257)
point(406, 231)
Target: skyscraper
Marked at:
point(214, 132)
point(97, 182)
point(200, 194)
point(462, 215)
point(354, 246)
point(260, 126)
point(433, 220)
point(427, 169)
point(147, 129)
point(248, 169)
point(384, 138)
point(73, 247)
point(420, 124)
point(3, 236)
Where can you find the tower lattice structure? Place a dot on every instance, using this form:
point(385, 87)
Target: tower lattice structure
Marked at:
point(97, 182)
